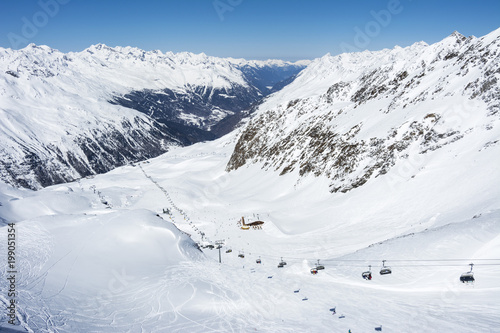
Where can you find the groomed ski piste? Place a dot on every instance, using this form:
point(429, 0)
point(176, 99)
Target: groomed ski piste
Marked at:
point(113, 253)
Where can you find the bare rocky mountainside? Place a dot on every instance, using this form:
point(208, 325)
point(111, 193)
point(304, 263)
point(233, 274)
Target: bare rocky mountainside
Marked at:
point(69, 115)
point(354, 116)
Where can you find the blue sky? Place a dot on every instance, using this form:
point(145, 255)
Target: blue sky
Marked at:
point(252, 29)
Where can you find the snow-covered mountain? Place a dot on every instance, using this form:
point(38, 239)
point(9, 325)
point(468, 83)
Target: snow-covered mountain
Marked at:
point(419, 193)
point(353, 117)
point(267, 76)
point(70, 115)
point(234, 86)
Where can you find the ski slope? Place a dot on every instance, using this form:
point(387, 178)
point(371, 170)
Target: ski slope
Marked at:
point(111, 254)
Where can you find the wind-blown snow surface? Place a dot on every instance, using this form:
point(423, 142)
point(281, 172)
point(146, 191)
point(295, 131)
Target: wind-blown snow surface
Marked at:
point(94, 257)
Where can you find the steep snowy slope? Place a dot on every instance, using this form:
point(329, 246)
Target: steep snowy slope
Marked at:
point(54, 129)
point(61, 121)
point(94, 257)
point(354, 116)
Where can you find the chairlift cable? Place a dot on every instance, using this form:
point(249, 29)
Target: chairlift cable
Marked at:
point(378, 260)
point(399, 260)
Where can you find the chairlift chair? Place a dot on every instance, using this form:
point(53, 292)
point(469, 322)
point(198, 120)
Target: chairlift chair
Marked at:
point(385, 269)
point(368, 274)
point(258, 261)
point(241, 255)
point(319, 267)
point(283, 263)
point(229, 251)
point(468, 276)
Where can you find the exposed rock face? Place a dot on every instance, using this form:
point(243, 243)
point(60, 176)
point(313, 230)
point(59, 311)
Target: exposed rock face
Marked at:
point(352, 117)
point(96, 152)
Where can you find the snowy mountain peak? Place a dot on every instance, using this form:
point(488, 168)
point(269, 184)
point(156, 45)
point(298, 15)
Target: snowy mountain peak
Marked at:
point(456, 39)
point(419, 45)
point(43, 48)
point(97, 47)
point(457, 35)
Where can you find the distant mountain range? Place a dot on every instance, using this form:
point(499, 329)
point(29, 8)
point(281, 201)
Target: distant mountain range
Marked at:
point(350, 117)
point(69, 115)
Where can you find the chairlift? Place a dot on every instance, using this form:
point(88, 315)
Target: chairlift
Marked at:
point(258, 261)
point(385, 269)
point(314, 271)
point(282, 263)
point(241, 255)
point(319, 267)
point(368, 274)
point(229, 251)
point(468, 276)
